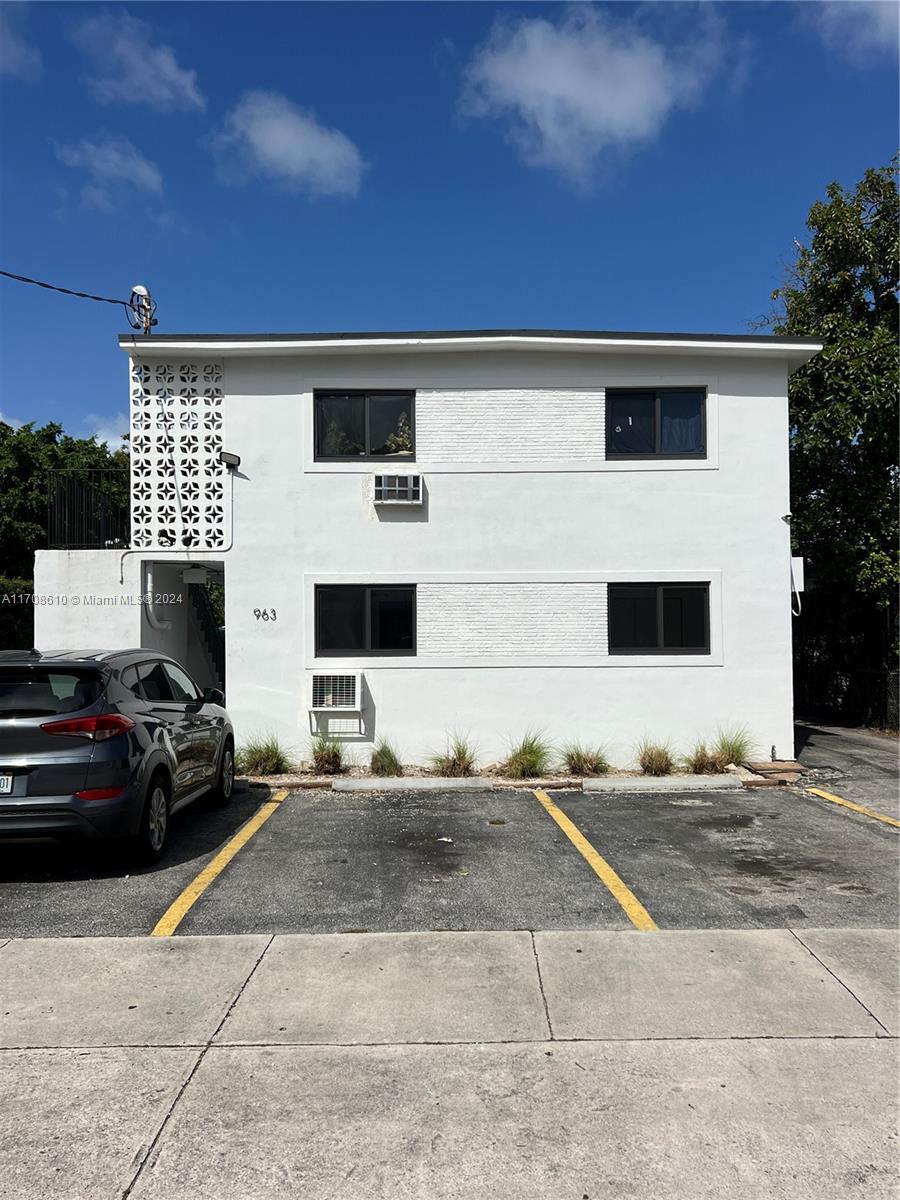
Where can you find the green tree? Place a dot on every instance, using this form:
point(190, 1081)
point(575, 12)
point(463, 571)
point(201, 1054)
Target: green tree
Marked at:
point(16, 614)
point(842, 288)
point(27, 456)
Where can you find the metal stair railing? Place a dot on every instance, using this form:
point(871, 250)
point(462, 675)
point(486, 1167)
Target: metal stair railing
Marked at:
point(213, 635)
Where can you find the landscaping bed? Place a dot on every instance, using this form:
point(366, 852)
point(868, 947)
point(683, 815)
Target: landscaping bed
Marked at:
point(531, 763)
point(491, 779)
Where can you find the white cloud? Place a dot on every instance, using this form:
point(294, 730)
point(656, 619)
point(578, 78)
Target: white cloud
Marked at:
point(268, 136)
point(573, 89)
point(18, 57)
point(112, 164)
point(130, 68)
point(167, 221)
point(6, 419)
point(856, 29)
point(107, 429)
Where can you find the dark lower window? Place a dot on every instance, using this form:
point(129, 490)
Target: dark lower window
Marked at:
point(656, 423)
point(354, 424)
point(659, 618)
point(353, 619)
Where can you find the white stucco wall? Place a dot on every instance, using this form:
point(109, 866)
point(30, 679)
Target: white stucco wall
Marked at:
point(83, 606)
point(80, 604)
point(524, 524)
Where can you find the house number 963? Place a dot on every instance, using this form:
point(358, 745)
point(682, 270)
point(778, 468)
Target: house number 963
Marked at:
point(265, 614)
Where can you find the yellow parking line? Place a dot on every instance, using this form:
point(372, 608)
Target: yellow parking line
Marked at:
point(860, 808)
point(634, 910)
point(176, 912)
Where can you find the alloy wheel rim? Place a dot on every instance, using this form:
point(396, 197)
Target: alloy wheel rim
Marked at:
point(157, 818)
point(228, 773)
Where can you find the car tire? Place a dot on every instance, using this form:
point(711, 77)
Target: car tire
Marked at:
point(223, 788)
point(149, 843)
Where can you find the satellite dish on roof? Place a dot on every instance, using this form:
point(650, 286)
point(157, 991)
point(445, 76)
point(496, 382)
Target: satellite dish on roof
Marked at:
point(141, 309)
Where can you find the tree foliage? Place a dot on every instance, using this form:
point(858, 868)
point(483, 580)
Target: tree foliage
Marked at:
point(16, 614)
point(27, 456)
point(842, 288)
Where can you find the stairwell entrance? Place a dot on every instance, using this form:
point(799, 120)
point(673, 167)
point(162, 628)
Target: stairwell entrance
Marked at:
point(183, 615)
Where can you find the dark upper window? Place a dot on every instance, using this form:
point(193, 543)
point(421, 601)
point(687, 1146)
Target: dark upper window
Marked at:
point(353, 619)
point(656, 423)
point(659, 618)
point(371, 424)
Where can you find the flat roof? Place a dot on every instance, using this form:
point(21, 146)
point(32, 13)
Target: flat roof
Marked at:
point(590, 335)
point(789, 350)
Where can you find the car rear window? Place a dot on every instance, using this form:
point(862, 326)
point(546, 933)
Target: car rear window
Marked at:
point(44, 691)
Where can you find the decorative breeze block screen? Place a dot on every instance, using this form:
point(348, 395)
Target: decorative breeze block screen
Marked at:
point(177, 481)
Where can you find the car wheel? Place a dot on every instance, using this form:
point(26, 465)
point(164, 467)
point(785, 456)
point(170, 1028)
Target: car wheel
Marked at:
point(150, 841)
point(223, 789)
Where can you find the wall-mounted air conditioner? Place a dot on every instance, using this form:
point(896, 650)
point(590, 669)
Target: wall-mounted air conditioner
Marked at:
point(336, 693)
point(333, 700)
point(398, 489)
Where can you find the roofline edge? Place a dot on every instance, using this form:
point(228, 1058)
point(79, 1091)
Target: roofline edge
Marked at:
point(413, 337)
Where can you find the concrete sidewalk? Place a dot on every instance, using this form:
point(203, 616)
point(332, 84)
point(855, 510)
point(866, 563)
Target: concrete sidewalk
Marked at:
point(753, 1063)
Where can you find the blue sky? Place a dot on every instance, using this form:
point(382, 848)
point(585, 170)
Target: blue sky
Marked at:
point(268, 167)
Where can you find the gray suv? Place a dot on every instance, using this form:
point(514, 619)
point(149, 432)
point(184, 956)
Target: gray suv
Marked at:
point(107, 744)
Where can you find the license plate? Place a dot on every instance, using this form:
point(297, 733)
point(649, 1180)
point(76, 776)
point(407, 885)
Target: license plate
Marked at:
point(6, 785)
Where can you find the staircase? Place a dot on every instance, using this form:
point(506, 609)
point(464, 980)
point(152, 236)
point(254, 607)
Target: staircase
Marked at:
point(210, 633)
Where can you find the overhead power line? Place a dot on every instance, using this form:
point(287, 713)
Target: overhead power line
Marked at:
point(139, 309)
point(65, 291)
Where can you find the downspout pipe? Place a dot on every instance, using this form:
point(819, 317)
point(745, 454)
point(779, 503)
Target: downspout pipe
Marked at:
point(153, 620)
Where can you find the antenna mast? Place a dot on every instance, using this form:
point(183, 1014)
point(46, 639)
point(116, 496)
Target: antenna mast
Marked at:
point(142, 314)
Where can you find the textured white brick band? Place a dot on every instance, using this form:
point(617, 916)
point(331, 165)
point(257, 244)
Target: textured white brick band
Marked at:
point(510, 425)
point(503, 619)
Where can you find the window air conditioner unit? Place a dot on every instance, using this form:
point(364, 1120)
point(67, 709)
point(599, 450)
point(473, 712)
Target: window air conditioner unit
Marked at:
point(334, 702)
point(398, 489)
point(336, 693)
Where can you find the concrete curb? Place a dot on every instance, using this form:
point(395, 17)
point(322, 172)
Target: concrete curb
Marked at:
point(551, 783)
point(292, 782)
point(414, 783)
point(663, 783)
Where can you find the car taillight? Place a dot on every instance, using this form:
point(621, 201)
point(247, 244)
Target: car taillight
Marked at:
point(95, 729)
point(100, 793)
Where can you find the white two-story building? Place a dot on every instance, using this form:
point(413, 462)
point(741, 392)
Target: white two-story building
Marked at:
point(581, 533)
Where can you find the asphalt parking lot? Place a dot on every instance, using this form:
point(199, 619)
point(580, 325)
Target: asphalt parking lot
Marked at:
point(859, 764)
point(333, 863)
point(50, 889)
point(327, 863)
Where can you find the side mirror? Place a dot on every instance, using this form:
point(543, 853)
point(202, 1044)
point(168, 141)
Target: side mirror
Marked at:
point(214, 696)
